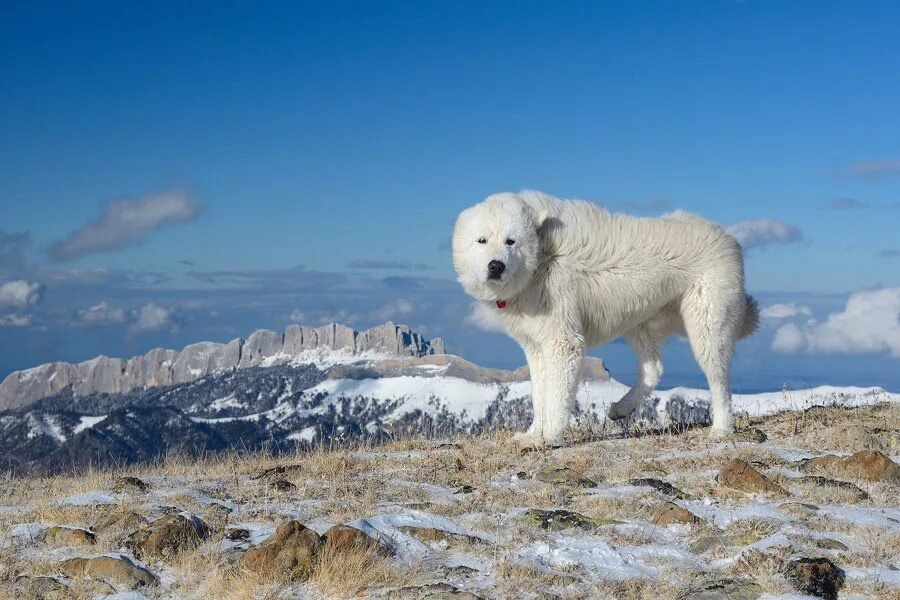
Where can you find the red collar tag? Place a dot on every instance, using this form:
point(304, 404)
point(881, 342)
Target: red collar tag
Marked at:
point(501, 303)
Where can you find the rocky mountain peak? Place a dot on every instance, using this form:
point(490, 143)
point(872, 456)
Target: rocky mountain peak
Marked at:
point(168, 367)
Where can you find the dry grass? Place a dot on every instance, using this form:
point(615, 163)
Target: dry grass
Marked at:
point(361, 480)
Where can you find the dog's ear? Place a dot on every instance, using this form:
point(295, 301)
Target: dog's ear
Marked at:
point(542, 217)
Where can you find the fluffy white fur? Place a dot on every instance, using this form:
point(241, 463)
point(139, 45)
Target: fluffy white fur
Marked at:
point(577, 276)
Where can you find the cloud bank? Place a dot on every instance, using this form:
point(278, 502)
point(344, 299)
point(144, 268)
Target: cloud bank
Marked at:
point(127, 222)
point(869, 324)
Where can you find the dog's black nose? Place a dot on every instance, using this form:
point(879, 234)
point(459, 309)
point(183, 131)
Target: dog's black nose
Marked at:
point(495, 269)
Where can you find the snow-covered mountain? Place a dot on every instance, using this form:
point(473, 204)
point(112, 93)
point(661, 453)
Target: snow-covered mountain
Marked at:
point(162, 367)
point(280, 399)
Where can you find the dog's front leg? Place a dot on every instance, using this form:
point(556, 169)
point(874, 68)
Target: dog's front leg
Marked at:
point(562, 360)
point(532, 437)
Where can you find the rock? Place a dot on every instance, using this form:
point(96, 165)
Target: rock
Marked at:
point(282, 486)
point(556, 520)
point(709, 542)
point(429, 534)
point(277, 470)
point(236, 534)
point(727, 589)
point(101, 374)
point(661, 486)
point(130, 485)
point(830, 544)
point(564, 476)
point(69, 536)
point(869, 465)
point(815, 576)
point(396, 340)
point(465, 489)
point(263, 346)
point(168, 536)
point(751, 434)
point(834, 483)
point(286, 554)
point(798, 509)
point(739, 475)
point(342, 538)
point(667, 513)
point(434, 591)
point(198, 360)
point(45, 588)
point(118, 569)
point(22, 388)
point(119, 520)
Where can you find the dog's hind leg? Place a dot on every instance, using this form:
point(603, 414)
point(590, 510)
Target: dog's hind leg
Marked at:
point(646, 342)
point(713, 316)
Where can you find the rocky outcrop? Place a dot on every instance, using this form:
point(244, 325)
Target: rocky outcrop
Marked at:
point(160, 367)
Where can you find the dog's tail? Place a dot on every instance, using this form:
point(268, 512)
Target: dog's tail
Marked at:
point(751, 317)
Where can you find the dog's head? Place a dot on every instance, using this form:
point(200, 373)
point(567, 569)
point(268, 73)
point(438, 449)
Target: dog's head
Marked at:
point(496, 247)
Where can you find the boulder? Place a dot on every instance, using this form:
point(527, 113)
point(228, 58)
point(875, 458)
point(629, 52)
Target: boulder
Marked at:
point(168, 536)
point(815, 576)
point(289, 553)
point(727, 589)
point(117, 569)
point(869, 465)
point(668, 513)
point(341, 538)
point(739, 475)
point(68, 536)
point(564, 476)
point(130, 485)
point(557, 520)
point(661, 486)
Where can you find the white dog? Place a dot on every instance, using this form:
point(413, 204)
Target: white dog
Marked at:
point(566, 275)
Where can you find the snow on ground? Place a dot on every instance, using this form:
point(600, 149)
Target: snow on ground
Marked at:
point(456, 513)
point(87, 423)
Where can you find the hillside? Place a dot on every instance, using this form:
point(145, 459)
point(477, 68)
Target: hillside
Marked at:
point(637, 513)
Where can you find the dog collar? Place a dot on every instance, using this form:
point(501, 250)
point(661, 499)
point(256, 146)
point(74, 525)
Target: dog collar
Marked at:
point(501, 304)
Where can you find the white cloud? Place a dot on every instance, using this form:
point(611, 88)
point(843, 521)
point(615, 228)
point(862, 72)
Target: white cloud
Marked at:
point(152, 317)
point(485, 318)
point(17, 299)
point(19, 294)
point(763, 232)
point(126, 222)
point(297, 316)
point(785, 311)
point(394, 309)
point(101, 314)
point(869, 324)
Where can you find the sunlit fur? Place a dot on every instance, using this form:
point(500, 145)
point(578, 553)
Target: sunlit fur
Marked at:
point(579, 276)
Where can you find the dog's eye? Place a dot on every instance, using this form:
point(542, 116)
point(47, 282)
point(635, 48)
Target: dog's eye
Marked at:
point(510, 242)
point(482, 241)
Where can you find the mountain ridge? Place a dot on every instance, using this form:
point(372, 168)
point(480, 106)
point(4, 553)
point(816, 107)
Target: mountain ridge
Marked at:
point(162, 366)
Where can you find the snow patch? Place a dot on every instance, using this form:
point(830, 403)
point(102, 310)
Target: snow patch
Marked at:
point(87, 423)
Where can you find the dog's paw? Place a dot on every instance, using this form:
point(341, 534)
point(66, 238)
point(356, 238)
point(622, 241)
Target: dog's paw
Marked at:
point(720, 433)
point(528, 441)
point(620, 410)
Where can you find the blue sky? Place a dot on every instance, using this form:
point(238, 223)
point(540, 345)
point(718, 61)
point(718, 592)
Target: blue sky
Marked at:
point(197, 172)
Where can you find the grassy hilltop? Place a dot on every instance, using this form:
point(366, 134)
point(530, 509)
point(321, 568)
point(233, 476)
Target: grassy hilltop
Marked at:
point(633, 514)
